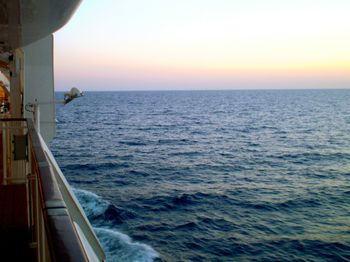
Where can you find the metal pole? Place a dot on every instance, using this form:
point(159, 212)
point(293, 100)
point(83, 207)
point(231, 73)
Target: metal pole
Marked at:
point(37, 117)
point(4, 155)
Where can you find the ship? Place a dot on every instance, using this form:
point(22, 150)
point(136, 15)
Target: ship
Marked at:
point(40, 218)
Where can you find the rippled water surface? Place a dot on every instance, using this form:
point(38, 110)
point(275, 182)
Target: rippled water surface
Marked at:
point(212, 175)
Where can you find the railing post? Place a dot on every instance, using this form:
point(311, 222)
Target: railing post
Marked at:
point(36, 116)
point(4, 153)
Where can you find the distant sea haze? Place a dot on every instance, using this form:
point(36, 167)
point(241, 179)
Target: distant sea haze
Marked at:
point(211, 175)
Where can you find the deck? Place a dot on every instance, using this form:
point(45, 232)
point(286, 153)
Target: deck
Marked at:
point(14, 233)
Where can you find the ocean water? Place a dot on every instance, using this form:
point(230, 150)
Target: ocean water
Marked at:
point(212, 175)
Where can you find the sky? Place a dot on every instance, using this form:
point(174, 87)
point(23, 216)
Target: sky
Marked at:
point(204, 44)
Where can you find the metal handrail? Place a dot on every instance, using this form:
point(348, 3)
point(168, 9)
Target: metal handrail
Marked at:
point(60, 230)
point(64, 243)
point(76, 212)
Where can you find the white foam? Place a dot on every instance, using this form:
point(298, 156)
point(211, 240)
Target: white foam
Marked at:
point(120, 247)
point(92, 204)
point(117, 246)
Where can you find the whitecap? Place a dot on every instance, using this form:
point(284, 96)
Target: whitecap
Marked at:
point(117, 246)
point(120, 247)
point(92, 204)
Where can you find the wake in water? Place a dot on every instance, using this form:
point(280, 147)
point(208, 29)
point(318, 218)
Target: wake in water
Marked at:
point(103, 217)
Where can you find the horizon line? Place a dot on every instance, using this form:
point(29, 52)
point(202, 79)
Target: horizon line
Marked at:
point(193, 90)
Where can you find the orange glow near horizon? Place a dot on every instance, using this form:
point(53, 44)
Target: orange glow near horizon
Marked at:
point(235, 44)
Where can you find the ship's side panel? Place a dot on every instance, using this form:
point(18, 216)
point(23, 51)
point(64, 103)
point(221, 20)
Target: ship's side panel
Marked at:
point(39, 84)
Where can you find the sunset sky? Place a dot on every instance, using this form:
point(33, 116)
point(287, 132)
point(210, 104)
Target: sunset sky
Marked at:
point(205, 44)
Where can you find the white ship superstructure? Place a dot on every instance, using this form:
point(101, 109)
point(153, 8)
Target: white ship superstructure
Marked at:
point(40, 219)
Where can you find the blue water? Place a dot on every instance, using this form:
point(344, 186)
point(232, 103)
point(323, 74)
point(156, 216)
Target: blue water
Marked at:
point(212, 175)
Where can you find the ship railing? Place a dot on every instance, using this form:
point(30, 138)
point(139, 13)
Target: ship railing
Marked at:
point(86, 233)
point(59, 229)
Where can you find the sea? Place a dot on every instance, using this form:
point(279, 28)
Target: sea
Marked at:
point(255, 175)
